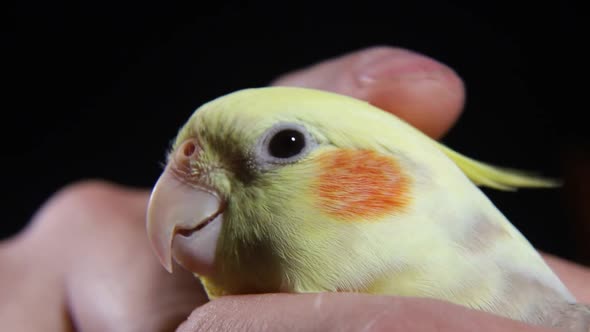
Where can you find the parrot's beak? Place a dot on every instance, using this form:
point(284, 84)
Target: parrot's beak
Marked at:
point(184, 219)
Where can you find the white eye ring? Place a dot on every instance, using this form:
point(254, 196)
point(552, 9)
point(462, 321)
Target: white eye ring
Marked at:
point(284, 143)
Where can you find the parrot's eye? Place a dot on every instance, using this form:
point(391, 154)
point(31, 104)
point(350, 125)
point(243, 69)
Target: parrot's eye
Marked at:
point(286, 143)
point(282, 144)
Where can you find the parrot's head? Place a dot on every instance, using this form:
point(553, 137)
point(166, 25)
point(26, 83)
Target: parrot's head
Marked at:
point(286, 188)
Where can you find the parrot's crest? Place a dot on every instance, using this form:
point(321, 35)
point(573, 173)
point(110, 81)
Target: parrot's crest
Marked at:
point(483, 174)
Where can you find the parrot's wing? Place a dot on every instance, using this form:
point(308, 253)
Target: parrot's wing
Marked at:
point(496, 177)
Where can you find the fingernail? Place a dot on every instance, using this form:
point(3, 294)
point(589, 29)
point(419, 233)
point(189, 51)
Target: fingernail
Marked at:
point(401, 67)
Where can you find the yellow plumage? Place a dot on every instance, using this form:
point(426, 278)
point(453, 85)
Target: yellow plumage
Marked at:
point(322, 192)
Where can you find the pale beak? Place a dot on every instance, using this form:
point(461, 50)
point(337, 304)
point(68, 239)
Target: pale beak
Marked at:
point(184, 221)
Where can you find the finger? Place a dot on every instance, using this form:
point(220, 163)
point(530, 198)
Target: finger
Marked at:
point(424, 92)
point(92, 240)
point(575, 277)
point(32, 297)
point(341, 312)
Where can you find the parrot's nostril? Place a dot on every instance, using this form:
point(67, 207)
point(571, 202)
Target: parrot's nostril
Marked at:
point(188, 149)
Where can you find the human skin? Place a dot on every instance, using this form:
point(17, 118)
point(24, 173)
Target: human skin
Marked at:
point(84, 262)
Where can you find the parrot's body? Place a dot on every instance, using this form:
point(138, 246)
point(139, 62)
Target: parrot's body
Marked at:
point(300, 190)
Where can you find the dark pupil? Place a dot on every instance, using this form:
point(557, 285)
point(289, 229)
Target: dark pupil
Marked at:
point(286, 143)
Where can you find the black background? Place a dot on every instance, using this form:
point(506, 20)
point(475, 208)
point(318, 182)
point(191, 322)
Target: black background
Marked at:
point(97, 90)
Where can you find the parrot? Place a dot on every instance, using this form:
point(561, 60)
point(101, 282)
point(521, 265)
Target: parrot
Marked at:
point(297, 190)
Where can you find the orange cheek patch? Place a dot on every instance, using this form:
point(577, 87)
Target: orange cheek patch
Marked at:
point(364, 184)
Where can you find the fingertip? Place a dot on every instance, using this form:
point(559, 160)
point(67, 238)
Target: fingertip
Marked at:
point(420, 90)
point(430, 101)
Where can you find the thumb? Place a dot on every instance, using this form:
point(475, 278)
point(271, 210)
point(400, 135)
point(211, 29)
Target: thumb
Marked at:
point(418, 89)
point(342, 312)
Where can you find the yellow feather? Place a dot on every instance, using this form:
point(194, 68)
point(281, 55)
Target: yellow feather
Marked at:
point(508, 179)
point(450, 242)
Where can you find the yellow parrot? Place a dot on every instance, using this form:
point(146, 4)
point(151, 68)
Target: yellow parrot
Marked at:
point(297, 190)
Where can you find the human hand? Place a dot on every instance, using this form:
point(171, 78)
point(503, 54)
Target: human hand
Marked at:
point(85, 262)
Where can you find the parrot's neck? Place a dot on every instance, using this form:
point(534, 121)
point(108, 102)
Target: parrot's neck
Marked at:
point(245, 269)
point(458, 248)
point(475, 258)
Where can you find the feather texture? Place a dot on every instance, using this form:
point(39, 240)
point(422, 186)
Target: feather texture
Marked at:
point(373, 205)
